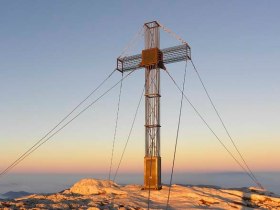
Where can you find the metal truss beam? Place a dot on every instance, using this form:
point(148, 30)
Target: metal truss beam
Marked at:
point(170, 55)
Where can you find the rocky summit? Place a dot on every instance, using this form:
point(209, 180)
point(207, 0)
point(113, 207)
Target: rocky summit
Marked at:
point(103, 194)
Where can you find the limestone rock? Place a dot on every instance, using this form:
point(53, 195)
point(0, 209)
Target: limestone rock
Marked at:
point(101, 194)
point(96, 187)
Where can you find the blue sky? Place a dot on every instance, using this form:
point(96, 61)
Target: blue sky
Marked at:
point(53, 53)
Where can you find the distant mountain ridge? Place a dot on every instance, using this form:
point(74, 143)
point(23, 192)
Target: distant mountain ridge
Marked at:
point(13, 194)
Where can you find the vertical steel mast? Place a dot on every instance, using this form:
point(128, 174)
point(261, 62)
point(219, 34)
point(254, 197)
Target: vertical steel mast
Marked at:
point(152, 159)
point(153, 59)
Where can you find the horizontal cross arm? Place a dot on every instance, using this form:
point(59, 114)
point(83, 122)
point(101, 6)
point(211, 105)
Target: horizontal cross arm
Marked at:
point(170, 55)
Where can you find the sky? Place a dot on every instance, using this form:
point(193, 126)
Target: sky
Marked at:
point(54, 53)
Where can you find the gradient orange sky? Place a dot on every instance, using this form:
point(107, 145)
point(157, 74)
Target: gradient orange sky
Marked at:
point(54, 53)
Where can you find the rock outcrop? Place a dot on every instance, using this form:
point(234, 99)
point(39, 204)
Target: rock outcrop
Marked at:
point(101, 194)
point(96, 187)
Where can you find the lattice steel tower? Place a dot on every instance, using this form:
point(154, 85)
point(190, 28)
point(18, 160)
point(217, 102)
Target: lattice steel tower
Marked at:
point(153, 59)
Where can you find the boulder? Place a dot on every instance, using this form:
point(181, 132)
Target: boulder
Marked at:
point(96, 187)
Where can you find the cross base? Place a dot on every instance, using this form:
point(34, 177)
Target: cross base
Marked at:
point(152, 173)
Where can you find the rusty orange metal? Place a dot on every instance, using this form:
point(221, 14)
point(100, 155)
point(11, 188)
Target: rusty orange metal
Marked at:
point(150, 57)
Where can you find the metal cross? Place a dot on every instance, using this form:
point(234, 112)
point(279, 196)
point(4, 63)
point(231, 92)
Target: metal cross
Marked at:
point(153, 59)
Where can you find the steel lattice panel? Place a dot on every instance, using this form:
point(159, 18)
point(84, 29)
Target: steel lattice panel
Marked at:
point(170, 55)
